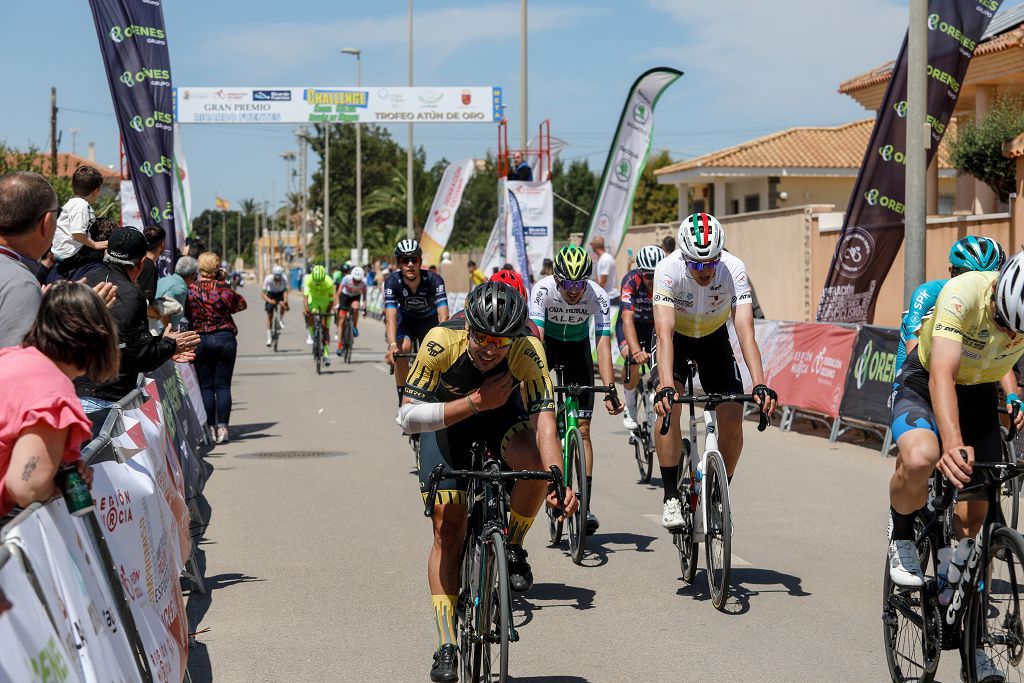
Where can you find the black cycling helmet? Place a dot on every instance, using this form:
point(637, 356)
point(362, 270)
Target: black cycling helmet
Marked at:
point(496, 308)
point(408, 247)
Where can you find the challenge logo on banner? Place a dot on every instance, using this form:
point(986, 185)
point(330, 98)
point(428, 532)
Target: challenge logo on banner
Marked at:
point(441, 220)
point(873, 225)
point(133, 42)
point(627, 158)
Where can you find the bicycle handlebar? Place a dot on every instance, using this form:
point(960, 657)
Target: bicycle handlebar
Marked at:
point(994, 473)
point(628, 364)
point(1011, 434)
point(491, 472)
point(712, 400)
point(399, 355)
point(611, 394)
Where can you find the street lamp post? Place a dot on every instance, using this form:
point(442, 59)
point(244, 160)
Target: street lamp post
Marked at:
point(359, 157)
point(408, 152)
point(327, 194)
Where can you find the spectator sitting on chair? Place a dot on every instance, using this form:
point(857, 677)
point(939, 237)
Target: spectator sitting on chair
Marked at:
point(140, 350)
point(520, 169)
point(42, 424)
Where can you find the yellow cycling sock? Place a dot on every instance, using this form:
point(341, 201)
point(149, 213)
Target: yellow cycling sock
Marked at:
point(444, 616)
point(517, 527)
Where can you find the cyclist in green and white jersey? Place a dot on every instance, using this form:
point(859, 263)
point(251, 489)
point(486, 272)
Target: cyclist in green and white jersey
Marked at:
point(561, 305)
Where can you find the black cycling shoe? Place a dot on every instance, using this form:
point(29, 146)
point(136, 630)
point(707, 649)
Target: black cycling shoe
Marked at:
point(446, 665)
point(592, 523)
point(520, 576)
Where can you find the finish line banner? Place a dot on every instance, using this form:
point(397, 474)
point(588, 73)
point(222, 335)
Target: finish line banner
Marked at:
point(133, 43)
point(627, 158)
point(338, 105)
point(873, 225)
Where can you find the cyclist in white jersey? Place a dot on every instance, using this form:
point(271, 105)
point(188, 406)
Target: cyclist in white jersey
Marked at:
point(275, 295)
point(350, 294)
point(697, 289)
point(561, 305)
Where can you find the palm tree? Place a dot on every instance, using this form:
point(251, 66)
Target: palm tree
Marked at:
point(391, 197)
point(248, 206)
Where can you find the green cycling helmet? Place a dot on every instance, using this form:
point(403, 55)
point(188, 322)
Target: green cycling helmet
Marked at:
point(318, 274)
point(572, 262)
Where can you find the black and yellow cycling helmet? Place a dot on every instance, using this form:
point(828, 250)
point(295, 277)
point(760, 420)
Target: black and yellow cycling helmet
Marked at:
point(572, 262)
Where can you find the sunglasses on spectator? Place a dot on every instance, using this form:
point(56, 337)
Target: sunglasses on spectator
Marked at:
point(483, 339)
point(405, 260)
point(572, 285)
point(702, 265)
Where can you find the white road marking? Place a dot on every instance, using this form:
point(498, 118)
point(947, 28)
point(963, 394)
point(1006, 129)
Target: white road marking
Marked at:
point(737, 561)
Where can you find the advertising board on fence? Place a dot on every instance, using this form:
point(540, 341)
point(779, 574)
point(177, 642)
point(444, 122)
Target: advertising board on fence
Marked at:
point(336, 104)
point(870, 376)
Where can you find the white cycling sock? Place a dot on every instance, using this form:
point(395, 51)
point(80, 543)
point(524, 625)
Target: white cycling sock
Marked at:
point(631, 403)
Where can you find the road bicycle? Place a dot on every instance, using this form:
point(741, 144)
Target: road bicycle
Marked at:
point(414, 439)
point(319, 340)
point(275, 326)
point(642, 438)
point(484, 609)
point(574, 463)
point(346, 334)
point(982, 611)
point(704, 494)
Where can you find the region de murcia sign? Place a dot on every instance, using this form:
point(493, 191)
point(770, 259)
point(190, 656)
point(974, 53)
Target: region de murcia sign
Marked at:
point(338, 105)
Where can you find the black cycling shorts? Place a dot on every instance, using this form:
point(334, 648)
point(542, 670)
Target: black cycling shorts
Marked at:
point(451, 445)
point(716, 364)
point(345, 301)
point(644, 335)
point(278, 297)
point(414, 328)
point(577, 362)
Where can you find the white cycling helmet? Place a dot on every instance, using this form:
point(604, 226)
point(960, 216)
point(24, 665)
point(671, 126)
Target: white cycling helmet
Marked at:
point(701, 237)
point(1009, 294)
point(358, 274)
point(649, 256)
point(277, 271)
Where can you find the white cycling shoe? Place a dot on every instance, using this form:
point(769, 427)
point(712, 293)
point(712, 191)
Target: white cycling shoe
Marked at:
point(905, 565)
point(672, 514)
point(987, 671)
point(628, 422)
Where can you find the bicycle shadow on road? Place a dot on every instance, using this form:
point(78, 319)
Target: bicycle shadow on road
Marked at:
point(740, 590)
point(599, 546)
point(558, 594)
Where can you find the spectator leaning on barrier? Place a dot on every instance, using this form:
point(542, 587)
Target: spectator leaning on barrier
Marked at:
point(42, 424)
point(175, 286)
point(74, 220)
point(140, 350)
point(210, 304)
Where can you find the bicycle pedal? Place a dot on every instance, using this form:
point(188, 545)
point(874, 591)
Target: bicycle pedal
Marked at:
point(513, 636)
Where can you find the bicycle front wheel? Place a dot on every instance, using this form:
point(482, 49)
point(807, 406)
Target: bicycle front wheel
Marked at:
point(577, 479)
point(1009, 500)
point(911, 623)
point(718, 535)
point(487, 640)
point(346, 337)
point(642, 440)
point(995, 621)
point(318, 348)
point(683, 539)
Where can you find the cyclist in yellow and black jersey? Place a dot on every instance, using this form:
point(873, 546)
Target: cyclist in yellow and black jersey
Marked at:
point(463, 387)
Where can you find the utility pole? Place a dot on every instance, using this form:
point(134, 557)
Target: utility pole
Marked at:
point(918, 140)
point(327, 195)
point(53, 130)
point(409, 232)
point(359, 156)
point(522, 77)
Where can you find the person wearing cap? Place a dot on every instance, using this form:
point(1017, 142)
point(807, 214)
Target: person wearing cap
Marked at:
point(140, 350)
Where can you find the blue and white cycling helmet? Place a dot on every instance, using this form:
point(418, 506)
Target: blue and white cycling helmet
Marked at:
point(977, 253)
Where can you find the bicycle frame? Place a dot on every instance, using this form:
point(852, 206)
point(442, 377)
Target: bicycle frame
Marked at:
point(569, 412)
point(701, 462)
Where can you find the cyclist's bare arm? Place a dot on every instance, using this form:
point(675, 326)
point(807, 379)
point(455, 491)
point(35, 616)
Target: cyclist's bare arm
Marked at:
point(442, 314)
point(418, 416)
point(664, 328)
point(629, 330)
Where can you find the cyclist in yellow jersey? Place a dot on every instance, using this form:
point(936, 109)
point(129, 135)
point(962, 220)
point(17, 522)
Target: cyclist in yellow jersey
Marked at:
point(319, 296)
point(697, 289)
point(464, 387)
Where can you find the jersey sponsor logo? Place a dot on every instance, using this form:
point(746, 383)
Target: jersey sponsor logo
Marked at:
point(532, 355)
point(667, 280)
point(955, 305)
point(541, 294)
point(433, 348)
point(416, 303)
point(741, 279)
point(939, 327)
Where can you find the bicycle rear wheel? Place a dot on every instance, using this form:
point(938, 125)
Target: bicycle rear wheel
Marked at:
point(718, 535)
point(683, 539)
point(1009, 500)
point(577, 479)
point(911, 622)
point(346, 338)
point(276, 328)
point(995, 621)
point(642, 440)
point(318, 347)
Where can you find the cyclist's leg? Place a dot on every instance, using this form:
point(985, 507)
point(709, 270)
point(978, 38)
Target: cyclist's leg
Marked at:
point(669, 447)
point(719, 373)
point(269, 308)
point(403, 336)
point(355, 312)
point(916, 435)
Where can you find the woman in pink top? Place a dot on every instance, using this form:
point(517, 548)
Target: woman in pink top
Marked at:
point(42, 424)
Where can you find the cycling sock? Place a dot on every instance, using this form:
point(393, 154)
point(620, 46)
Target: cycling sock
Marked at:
point(631, 403)
point(444, 617)
point(901, 526)
point(670, 481)
point(518, 525)
point(590, 488)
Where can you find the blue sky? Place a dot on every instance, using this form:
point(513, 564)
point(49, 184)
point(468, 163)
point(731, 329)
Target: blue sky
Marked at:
point(752, 67)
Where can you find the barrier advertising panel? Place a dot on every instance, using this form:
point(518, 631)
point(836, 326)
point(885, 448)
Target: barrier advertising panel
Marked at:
point(869, 380)
point(807, 365)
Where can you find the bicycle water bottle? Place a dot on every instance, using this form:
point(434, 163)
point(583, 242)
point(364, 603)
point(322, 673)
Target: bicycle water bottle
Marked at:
point(698, 477)
point(945, 588)
point(959, 561)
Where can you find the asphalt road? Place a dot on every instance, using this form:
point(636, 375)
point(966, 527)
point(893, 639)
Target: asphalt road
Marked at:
point(317, 565)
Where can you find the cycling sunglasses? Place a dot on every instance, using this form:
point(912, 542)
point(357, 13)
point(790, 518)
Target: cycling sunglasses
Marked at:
point(483, 339)
point(572, 285)
point(405, 260)
point(702, 265)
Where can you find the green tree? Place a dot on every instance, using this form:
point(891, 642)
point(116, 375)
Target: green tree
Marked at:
point(576, 185)
point(977, 149)
point(653, 202)
point(12, 159)
point(478, 210)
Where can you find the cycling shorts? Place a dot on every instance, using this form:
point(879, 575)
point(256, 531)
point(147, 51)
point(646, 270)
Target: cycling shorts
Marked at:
point(977, 404)
point(716, 364)
point(276, 297)
point(414, 328)
point(345, 301)
point(451, 445)
point(317, 306)
point(577, 362)
point(644, 335)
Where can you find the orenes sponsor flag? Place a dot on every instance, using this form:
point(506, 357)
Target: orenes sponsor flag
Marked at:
point(873, 225)
point(627, 158)
point(182, 190)
point(447, 199)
